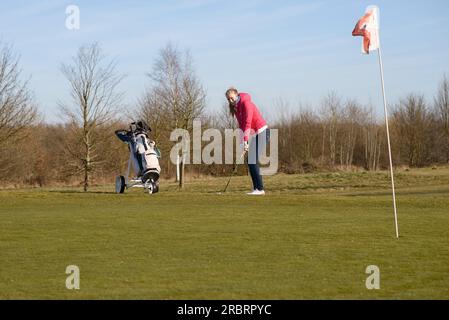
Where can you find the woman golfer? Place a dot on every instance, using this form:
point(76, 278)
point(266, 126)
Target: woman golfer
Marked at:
point(255, 133)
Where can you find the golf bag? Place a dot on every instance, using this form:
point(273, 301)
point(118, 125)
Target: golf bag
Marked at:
point(144, 155)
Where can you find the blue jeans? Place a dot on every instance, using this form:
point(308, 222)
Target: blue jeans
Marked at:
point(256, 145)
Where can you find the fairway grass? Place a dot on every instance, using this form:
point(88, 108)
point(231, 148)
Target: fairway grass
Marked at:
point(311, 237)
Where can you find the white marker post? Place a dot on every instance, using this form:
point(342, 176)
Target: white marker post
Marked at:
point(177, 167)
point(368, 28)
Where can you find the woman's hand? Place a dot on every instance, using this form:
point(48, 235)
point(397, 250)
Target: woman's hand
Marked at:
point(245, 146)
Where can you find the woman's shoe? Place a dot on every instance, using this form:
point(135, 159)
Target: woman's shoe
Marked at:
point(256, 193)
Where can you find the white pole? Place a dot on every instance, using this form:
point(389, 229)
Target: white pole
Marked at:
point(388, 140)
point(177, 168)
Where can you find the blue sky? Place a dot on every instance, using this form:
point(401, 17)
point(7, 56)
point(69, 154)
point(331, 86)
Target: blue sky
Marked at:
point(294, 50)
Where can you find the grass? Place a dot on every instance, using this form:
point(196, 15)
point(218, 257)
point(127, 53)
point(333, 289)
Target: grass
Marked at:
point(311, 237)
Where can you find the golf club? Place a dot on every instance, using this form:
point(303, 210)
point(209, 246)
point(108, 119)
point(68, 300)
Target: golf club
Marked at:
point(233, 172)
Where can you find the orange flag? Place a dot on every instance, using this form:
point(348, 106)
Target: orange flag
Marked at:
point(368, 28)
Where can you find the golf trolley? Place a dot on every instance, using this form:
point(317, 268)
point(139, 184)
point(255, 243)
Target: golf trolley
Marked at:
point(143, 157)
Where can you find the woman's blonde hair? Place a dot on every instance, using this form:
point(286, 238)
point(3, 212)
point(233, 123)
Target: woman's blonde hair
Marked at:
point(231, 107)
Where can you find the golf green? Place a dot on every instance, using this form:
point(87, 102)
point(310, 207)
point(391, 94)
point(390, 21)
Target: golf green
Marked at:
point(310, 237)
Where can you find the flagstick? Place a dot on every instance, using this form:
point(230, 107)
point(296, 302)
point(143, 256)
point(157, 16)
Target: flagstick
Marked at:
point(388, 140)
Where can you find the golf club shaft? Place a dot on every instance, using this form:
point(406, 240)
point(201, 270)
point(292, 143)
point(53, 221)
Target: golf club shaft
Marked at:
point(233, 172)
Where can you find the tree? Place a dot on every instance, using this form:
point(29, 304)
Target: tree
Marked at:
point(331, 108)
point(224, 119)
point(412, 123)
point(17, 108)
point(93, 83)
point(353, 115)
point(441, 108)
point(372, 134)
point(176, 96)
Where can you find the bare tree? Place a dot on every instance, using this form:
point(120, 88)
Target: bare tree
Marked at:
point(176, 96)
point(285, 122)
point(353, 116)
point(93, 83)
point(224, 119)
point(151, 111)
point(17, 109)
point(412, 123)
point(331, 113)
point(299, 137)
point(176, 88)
point(372, 138)
point(441, 106)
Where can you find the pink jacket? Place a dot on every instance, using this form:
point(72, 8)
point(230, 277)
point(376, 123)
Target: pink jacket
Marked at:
point(248, 116)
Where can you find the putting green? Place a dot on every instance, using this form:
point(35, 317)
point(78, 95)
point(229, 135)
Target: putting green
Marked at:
point(311, 236)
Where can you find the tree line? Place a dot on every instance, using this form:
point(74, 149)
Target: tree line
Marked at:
point(336, 134)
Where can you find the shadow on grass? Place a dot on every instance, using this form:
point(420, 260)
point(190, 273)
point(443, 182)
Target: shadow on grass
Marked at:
point(398, 193)
point(332, 187)
point(81, 192)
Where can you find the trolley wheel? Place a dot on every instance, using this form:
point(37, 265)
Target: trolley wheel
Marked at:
point(120, 184)
point(155, 187)
point(150, 188)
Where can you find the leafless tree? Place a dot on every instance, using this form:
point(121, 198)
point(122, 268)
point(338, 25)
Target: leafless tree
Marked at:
point(150, 110)
point(176, 87)
point(94, 101)
point(441, 106)
point(331, 110)
point(284, 121)
point(175, 97)
point(412, 123)
point(224, 119)
point(372, 134)
point(353, 115)
point(17, 109)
